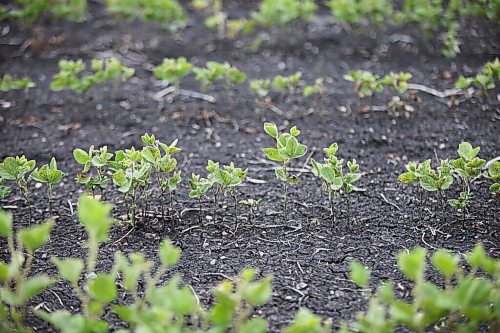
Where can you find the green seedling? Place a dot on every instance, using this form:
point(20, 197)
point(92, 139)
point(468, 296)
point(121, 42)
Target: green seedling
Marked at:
point(336, 181)
point(18, 286)
point(168, 12)
point(484, 81)
point(226, 180)
point(468, 167)
point(17, 169)
point(199, 188)
point(317, 89)
point(30, 11)
point(397, 82)
point(50, 175)
point(8, 83)
point(366, 83)
point(493, 173)
point(5, 191)
point(287, 149)
point(164, 165)
point(281, 12)
point(260, 88)
point(471, 294)
point(131, 174)
point(95, 290)
point(172, 71)
point(253, 206)
point(305, 321)
point(98, 160)
point(70, 78)
point(355, 11)
point(415, 173)
point(285, 84)
point(219, 71)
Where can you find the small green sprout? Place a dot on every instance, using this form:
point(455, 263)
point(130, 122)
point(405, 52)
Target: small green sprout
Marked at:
point(4, 190)
point(98, 159)
point(199, 188)
point(30, 11)
point(219, 71)
point(367, 83)
point(468, 167)
point(396, 81)
point(484, 81)
point(163, 164)
point(260, 87)
point(17, 169)
point(318, 88)
point(336, 181)
point(173, 70)
point(253, 206)
point(18, 287)
point(493, 173)
point(286, 83)
point(8, 83)
point(355, 11)
point(50, 175)
point(415, 173)
point(226, 180)
point(287, 149)
point(281, 12)
point(131, 174)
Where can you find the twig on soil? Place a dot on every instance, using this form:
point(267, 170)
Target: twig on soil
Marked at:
point(10, 207)
point(388, 202)
point(195, 294)
point(437, 93)
point(218, 274)
point(270, 241)
point(300, 268)
point(185, 210)
point(423, 241)
point(297, 291)
point(58, 298)
point(124, 236)
point(318, 250)
point(188, 229)
point(70, 204)
point(306, 162)
point(197, 95)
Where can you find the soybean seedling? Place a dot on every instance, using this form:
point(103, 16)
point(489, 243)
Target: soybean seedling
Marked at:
point(226, 179)
point(50, 175)
point(260, 88)
point(131, 174)
point(318, 89)
point(98, 159)
point(281, 12)
point(415, 173)
point(285, 84)
point(397, 82)
point(493, 173)
point(199, 188)
point(172, 71)
point(336, 181)
point(8, 83)
point(253, 206)
point(287, 149)
point(484, 81)
point(17, 169)
point(468, 167)
point(164, 164)
point(5, 191)
point(207, 76)
point(367, 83)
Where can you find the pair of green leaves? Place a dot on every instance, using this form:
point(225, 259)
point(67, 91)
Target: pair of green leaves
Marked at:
point(48, 173)
point(283, 83)
point(366, 82)
point(172, 70)
point(228, 176)
point(16, 168)
point(281, 12)
point(199, 186)
point(8, 83)
point(219, 71)
point(493, 173)
point(485, 80)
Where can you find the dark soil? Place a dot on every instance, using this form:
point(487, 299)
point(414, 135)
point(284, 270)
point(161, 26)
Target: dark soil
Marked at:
point(309, 262)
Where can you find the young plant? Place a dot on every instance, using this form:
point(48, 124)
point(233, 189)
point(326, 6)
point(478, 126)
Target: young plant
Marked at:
point(219, 71)
point(415, 173)
point(50, 175)
point(468, 167)
point(335, 180)
point(172, 71)
point(367, 83)
point(493, 173)
point(397, 82)
point(8, 83)
point(281, 12)
point(98, 159)
point(484, 81)
point(252, 205)
point(226, 180)
point(260, 88)
point(17, 169)
point(164, 166)
point(131, 174)
point(287, 149)
point(30, 11)
point(285, 84)
point(199, 188)
point(168, 12)
point(355, 11)
point(318, 89)
point(95, 290)
point(18, 286)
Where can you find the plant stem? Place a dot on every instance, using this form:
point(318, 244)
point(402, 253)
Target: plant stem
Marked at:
point(348, 209)
point(285, 200)
point(330, 200)
point(199, 211)
point(49, 195)
point(421, 203)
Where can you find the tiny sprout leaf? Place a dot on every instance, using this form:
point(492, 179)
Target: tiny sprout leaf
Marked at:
point(169, 254)
point(5, 224)
point(34, 237)
point(360, 275)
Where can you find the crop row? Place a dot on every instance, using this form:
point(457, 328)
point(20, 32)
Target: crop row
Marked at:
point(432, 16)
point(75, 76)
point(136, 172)
point(467, 302)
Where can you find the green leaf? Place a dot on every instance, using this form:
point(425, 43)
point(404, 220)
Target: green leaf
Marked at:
point(254, 325)
point(271, 129)
point(466, 151)
point(103, 288)
point(81, 156)
point(34, 237)
point(259, 293)
point(95, 217)
point(445, 262)
point(169, 254)
point(5, 224)
point(273, 155)
point(428, 183)
point(33, 286)
point(69, 269)
point(360, 275)
point(413, 263)
point(407, 177)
